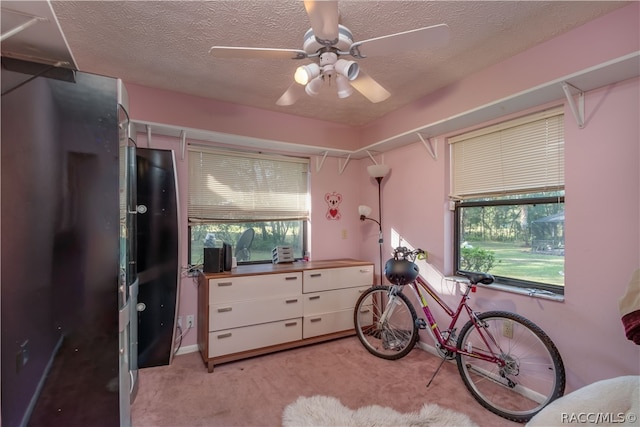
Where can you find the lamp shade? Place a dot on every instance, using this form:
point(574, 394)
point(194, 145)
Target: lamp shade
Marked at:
point(378, 171)
point(364, 210)
point(314, 86)
point(344, 88)
point(349, 69)
point(305, 73)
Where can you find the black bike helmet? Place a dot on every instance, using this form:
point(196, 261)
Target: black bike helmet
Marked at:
point(400, 272)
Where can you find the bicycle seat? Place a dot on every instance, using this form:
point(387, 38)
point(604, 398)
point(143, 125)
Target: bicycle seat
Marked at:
point(474, 278)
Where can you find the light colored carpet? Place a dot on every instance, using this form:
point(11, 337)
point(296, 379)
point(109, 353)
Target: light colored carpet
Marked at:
point(325, 411)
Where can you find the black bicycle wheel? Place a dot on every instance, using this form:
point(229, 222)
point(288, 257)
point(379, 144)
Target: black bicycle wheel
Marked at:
point(533, 374)
point(390, 338)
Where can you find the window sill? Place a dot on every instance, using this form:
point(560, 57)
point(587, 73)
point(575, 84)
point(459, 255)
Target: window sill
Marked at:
point(534, 293)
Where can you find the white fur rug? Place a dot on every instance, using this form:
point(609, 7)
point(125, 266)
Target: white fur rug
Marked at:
point(324, 411)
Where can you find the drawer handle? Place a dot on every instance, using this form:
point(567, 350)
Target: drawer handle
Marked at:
point(315, 297)
point(225, 283)
point(291, 301)
point(364, 270)
point(223, 309)
point(366, 310)
point(316, 275)
point(290, 324)
point(317, 319)
point(291, 278)
point(227, 335)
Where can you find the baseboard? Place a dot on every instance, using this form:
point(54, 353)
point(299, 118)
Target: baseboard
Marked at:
point(427, 347)
point(422, 345)
point(187, 349)
point(432, 350)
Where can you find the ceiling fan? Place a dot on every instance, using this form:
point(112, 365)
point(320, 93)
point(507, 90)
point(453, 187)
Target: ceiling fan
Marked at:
point(327, 42)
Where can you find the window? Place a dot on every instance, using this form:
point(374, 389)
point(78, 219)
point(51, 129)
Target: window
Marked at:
point(508, 183)
point(254, 202)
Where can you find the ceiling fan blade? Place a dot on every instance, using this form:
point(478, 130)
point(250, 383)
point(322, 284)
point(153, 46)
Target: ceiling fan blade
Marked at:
point(324, 17)
point(420, 38)
point(370, 88)
point(291, 95)
point(256, 52)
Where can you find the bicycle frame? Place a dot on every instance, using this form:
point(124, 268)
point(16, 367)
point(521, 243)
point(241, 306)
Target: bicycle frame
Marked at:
point(434, 329)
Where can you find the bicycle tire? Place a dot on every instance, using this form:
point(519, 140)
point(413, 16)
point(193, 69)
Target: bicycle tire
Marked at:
point(397, 336)
point(533, 377)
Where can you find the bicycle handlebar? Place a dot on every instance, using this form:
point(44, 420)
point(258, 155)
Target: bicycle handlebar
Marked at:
point(402, 252)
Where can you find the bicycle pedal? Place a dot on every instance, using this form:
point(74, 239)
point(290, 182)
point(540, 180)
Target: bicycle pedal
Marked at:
point(421, 324)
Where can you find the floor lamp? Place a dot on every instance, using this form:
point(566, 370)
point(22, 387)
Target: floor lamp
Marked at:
point(378, 172)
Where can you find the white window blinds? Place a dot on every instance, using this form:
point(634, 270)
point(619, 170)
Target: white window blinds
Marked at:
point(519, 156)
point(240, 187)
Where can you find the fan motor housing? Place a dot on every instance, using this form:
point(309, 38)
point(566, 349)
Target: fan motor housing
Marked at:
point(311, 44)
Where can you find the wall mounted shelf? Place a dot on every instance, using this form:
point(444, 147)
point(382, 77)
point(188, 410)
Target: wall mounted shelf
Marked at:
point(613, 71)
point(27, 20)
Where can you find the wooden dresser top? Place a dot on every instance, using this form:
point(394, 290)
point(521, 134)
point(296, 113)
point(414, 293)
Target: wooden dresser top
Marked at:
point(253, 269)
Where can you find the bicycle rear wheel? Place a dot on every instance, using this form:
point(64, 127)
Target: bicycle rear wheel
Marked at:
point(533, 373)
point(389, 335)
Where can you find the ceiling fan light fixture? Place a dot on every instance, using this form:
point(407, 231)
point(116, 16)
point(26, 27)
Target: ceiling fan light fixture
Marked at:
point(305, 73)
point(314, 86)
point(349, 69)
point(344, 88)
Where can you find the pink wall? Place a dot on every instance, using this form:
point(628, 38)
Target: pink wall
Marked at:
point(335, 238)
point(170, 108)
point(602, 229)
point(602, 187)
point(602, 167)
point(603, 39)
point(330, 239)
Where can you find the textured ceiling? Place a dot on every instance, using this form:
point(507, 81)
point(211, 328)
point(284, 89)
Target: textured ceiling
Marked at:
point(165, 44)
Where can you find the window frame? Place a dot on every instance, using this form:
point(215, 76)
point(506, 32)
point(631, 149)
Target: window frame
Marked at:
point(226, 216)
point(303, 232)
point(504, 280)
point(543, 127)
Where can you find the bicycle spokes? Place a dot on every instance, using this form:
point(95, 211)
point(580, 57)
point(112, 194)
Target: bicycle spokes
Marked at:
point(385, 322)
point(514, 369)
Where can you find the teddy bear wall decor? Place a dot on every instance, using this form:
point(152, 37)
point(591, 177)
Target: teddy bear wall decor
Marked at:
point(333, 201)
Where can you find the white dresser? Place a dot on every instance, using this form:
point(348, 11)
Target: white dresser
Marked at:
point(258, 309)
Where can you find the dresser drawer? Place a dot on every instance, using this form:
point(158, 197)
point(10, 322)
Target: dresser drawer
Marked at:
point(223, 290)
point(337, 278)
point(366, 315)
point(251, 337)
point(327, 323)
point(243, 313)
point(327, 301)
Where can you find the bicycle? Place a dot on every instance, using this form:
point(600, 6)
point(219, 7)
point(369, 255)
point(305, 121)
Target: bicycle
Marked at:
point(508, 363)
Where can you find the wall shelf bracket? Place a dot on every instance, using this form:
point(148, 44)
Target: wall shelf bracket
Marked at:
point(183, 143)
point(373, 159)
point(577, 110)
point(430, 145)
point(21, 27)
point(341, 166)
point(320, 161)
point(148, 136)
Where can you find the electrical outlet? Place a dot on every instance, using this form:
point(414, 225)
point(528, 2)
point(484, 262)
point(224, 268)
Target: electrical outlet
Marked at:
point(507, 329)
point(190, 321)
point(344, 234)
point(180, 322)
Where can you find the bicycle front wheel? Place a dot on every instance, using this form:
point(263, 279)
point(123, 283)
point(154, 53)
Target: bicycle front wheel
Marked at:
point(385, 322)
point(531, 373)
